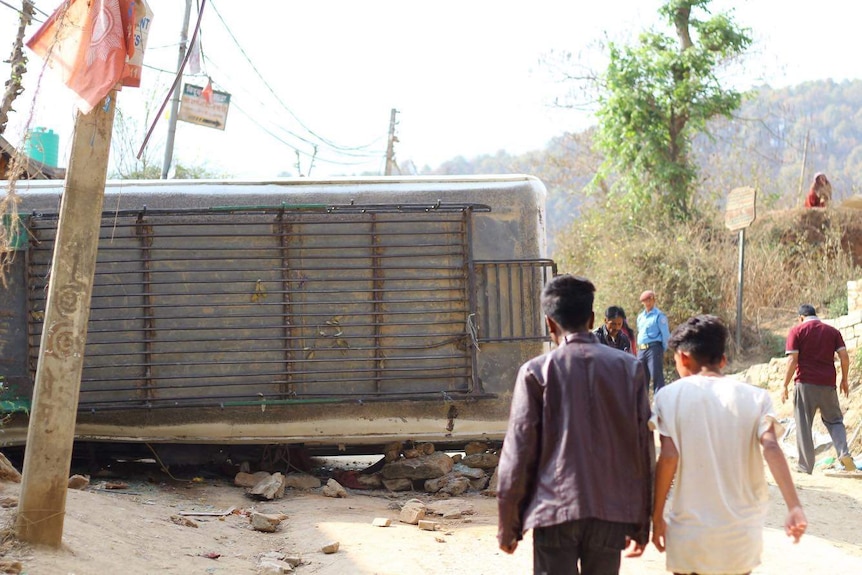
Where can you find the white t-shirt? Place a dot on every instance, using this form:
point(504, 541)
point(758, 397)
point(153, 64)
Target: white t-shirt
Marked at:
point(718, 502)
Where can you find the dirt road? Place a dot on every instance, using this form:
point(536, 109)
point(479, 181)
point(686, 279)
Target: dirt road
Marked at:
point(130, 531)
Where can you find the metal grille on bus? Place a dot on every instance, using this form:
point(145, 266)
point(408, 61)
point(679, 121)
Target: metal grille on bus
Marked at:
point(232, 309)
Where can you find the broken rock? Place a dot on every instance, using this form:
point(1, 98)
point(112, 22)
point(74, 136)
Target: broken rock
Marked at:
point(400, 484)
point(412, 512)
point(301, 481)
point(475, 447)
point(266, 522)
point(78, 481)
point(330, 548)
point(381, 522)
point(269, 488)
point(482, 460)
point(243, 479)
point(425, 467)
point(334, 489)
point(273, 567)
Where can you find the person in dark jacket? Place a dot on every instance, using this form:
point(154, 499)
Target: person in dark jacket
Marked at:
point(611, 333)
point(576, 461)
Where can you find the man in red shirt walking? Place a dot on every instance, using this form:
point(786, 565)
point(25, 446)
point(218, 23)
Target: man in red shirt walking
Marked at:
point(811, 349)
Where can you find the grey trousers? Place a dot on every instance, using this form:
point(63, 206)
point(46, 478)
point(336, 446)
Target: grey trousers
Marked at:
point(806, 401)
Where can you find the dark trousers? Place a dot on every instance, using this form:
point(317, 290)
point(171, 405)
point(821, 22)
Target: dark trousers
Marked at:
point(596, 544)
point(806, 401)
point(652, 359)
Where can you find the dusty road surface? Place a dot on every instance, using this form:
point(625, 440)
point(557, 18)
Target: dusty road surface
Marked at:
point(130, 531)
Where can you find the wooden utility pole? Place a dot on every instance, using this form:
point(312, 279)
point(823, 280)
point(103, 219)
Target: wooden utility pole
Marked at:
point(51, 434)
point(390, 146)
point(799, 197)
point(175, 99)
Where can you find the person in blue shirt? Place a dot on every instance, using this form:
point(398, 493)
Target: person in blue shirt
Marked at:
point(653, 336)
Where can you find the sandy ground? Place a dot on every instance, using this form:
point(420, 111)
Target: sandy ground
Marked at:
point(130, 531)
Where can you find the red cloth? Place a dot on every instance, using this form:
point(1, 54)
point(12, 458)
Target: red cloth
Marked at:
point(812, 200)
point(816, 344)
point(86, 43)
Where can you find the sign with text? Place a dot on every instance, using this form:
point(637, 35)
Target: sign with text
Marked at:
point(740, 208)
point(194, 107)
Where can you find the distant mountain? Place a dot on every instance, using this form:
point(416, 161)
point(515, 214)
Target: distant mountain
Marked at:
point(763, 146)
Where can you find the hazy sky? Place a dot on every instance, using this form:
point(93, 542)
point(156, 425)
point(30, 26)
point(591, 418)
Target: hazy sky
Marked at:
point(466, 76)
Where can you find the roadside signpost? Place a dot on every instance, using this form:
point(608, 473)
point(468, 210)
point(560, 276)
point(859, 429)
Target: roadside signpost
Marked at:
point(738, 215)
point(196, 109)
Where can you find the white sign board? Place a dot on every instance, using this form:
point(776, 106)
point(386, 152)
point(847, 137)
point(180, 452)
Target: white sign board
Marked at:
point(195, 109)
point(740, 208)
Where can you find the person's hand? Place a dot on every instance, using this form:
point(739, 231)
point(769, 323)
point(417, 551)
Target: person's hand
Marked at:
point(845, 388)
point(659, 527)
point(784, 394)
point(634, 549)
point(795, 523)
point(510, 548)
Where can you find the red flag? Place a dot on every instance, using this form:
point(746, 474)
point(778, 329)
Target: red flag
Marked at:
point(207, 92)
point(85, 42)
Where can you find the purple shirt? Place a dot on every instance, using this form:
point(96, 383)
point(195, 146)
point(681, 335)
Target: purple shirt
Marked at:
point(578, 442)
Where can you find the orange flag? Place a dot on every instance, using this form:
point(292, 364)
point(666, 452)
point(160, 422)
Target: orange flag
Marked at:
point(207, 92)
point(86, 43)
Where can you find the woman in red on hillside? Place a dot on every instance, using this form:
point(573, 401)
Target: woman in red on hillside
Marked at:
point(820, 193)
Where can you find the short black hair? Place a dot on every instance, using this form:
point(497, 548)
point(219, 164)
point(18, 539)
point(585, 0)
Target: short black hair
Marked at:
point(614, 312)
point(568, 300)
point(806, 310)
point(704, 337)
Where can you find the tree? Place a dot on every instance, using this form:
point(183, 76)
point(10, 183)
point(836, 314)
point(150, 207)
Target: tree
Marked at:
point(657, 95)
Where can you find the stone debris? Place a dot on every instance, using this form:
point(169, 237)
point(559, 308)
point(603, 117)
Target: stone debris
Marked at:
point(78, 481)
point(412, 512)
point(468, 472)
point(330, 548)
point(334, 489)
point(269, 488)
point(400, 484)
point(8, 471)
point(450, 508)
point(491, 490)
point(475, 447)
point(425, 467)
point(183, 521)
point(381, 522)
point(243, 479)
point(266, 522)
point(301, 481)
point(482, 460)
point(428, 525)
point(392, 451)
point(273, 567)
point(450, 483)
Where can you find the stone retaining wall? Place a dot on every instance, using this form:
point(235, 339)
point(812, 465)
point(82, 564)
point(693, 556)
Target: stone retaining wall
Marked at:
point(850, 325)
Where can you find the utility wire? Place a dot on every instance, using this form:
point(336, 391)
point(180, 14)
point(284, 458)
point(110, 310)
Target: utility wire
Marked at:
point(18, 10)
point(278, 99)
point(368, 154)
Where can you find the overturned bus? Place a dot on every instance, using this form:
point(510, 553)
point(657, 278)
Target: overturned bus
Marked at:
point(318, 313)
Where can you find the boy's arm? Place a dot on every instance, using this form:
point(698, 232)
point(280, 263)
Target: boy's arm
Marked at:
point(665, 470)
point(795, 522)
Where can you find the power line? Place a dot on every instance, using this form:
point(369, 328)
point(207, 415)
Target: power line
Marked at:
point(278, 99)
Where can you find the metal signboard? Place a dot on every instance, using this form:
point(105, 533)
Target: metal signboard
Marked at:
point(740, 208)
point(195, 108)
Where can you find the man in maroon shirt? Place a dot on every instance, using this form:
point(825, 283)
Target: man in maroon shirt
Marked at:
point(811, 349)
point(576, 462)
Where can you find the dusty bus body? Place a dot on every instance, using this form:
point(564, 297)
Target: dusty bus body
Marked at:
point(317, 313)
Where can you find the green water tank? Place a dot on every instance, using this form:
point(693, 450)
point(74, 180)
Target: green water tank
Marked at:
point(43, 146)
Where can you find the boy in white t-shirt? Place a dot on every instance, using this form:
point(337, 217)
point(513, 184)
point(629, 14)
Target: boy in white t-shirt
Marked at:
point(712, 430)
